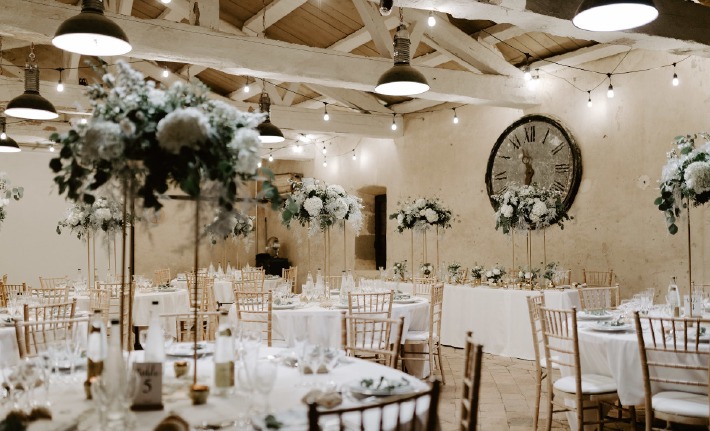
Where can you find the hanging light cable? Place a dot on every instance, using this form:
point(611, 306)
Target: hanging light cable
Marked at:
point(675, 81)
point(7, 144)
point(614, 15)
point(326, 116)
point(60, 84)
point(401, 79)
point(31, 104)
point(91, 33)
point(610, 90)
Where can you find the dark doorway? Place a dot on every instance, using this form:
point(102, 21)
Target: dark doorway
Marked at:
point(381, 231)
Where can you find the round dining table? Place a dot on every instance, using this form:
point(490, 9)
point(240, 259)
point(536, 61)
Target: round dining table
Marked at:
point(224, 290)
point(71, 410)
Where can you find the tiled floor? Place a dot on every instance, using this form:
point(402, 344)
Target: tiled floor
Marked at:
point(507, 395)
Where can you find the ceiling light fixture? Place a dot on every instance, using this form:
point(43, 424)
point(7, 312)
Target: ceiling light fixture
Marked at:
point(526, 68)
point(246, 86)
point(326, 116)
point(394, 123)
point(456, 117)
point(271, 156)
point(258, 165)
point(401, 79)
point(7, 144)
point(91, 33)
point(268, 132)
point(610, 90)
point(431, 21)
point(60, 84)
point(51, 148)
point(324, 150)
point(354, 156)
point(386, 7)
point(166, 72)
point(165, 1)
point(614, 15)
point(31, 104)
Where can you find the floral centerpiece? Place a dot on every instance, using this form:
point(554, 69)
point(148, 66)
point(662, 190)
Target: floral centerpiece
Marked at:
point(477, 271)
point(8, 194)
point(426, 269)
point(318, 205)
point(241, 224)
point(528, 275)
point(453, 270)
point(142, 139)
point(550, 271)
point(529, 208)
point(399, 269)
point(686, 175)
point(495, 274)
point(83, 219)
point(422, 214)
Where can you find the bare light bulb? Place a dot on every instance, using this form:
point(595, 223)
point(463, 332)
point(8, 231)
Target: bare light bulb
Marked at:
point(166, 73)
point(325, 163)
point(3, 136)
point(456, 118)
point(51, 148)
point(258, 165)
point(589, 103)
point(246, 88)
point(526, 73)
point(326, 116)
point(431, 20)
point(297, 148)
point(165, 1)
point(271, 158)
point(675, 81)
point(60, 86)
point(394, 126)
point(83, 121)
point(324, 150)
point(610, 92)
point(354, 156)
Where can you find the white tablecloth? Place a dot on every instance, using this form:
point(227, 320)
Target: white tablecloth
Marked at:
point(562, 299)
point(224, 291)
point(177, 301)
point(10, 352)
point(69, 403)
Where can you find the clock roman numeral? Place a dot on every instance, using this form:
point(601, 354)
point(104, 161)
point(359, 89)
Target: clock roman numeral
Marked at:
point(558, 186)
point(500, 176)
point(505, 157)
point(558, 148)
point(516, 143)
point(544, 138)
point(562, 168)
point(530, 133)
point(503, 190)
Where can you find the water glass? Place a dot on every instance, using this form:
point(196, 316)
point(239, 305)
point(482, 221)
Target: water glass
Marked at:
point(264, 379)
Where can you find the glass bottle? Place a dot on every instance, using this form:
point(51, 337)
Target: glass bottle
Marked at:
point(115, 379)
point(674, 298)
point(224, 355)
point(344, 288)
point(155, 347)
point(96, 350)
point(320, 284)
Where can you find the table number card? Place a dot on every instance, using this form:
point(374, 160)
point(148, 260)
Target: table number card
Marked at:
point(149, 395)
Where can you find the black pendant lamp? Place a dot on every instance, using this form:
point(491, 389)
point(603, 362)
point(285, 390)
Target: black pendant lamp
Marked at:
point(268, 132)
point(614, 15)
point(402, 79)
point(7, 144)
point(31, 104)
point(91, 33)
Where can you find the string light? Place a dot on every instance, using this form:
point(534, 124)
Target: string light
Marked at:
point(298, 149)
point(326, 116)
point(258, 165)
point(589, 100)
point(534, 80)
point(675, 80)
point(432, 19)
point(354, 156)
point(83, 121)
point(3, 136)
point(394, 124)
point(324, 150)
point(526, 69)
point(165, 1)
point(51, 148)
point(325, 163)
point(166, 73)
point(610, 90)
point(60, 84)
point(271, 156)
point(456, 117)
point(246, 86)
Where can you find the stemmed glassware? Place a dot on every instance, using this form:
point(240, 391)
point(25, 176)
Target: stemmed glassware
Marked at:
point(264, 379)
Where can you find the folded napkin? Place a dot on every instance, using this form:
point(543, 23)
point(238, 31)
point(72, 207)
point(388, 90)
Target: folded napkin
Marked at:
point(325, 399)
point(173, 422)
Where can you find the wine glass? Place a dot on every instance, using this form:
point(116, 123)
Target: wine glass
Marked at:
point(263, 380)
point(12, 377)
point(313, 359)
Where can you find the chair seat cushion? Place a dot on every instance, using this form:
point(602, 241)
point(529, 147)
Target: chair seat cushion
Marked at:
point(681, 403)
point(421, 336)
point(591, 384)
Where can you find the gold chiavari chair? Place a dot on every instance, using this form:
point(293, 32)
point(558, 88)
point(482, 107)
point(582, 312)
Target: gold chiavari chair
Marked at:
point(246, 286)
point(430, 338)
point(52, 282)
point(60, 310)
point(598, 278)
point(47, 296)
point(598, 298)
point(205, 292)
point(112, 310)
point(290, 275)
point(564, 277)
point(257, 274)
point(578, 391)
point(254, 312)
point(185, 325)
point(376, 339)
point(4, 278)
point(161, 277)
point(674, 363)
point(471, 384)
point(10, 290)
point(410, 412)
point(422, 286)
point(40, 336)
point(375, 304)
point(332, 283)
point(534, 305)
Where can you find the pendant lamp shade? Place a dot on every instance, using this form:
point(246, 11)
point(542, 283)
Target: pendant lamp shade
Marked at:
point(91, 33)
point(402, 79)
point(7, 144)
point(614, 15)
point(31, 104)
point(268, 132)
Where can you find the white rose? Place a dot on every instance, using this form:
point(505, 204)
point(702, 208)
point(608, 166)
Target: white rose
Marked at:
point(496, 271)
point(489, 274)
point(184, 127)
point(313, 206)
point(506, 211)
point(697, 177)
point(431, 215)
point(400, 218)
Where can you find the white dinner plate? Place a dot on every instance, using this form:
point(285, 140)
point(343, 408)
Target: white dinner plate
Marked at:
point(583, 315)
point(184, 350)
point(403, 386)
point(411, 300)
point(283, 306)
point(606, 327)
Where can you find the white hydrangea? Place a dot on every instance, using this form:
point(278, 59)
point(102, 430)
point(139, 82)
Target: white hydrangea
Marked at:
point(697, 177)
point(336, 189)
point(246, 142)
point(313, 206)
point(102, 139)
point(431, 215)
point(539, 209)
point(185, 127)
point(102, 214)
point(338, 207)
point(489, 274)
point(496, 271)
point(506, 211)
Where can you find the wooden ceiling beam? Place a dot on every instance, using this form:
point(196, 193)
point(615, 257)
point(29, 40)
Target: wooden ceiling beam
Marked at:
point(449, 56)
point(273, 12)
point(495, 33)
point(375, 25)
point(291, 93)
point(361, 37)
point(358, 100)
point(177, 10)
point(264, 58)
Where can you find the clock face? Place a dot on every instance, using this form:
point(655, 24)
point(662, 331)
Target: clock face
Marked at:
point(535, 150)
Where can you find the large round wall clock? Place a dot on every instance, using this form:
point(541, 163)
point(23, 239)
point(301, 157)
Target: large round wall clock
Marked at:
point(535, 149)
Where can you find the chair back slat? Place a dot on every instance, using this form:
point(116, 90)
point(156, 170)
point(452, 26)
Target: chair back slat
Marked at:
point(471, 384)
point(422, 286)
point(534, 304)
point(52, 282)
point(376, 304)
point(377, 339)
point(11, 291)
point(204, 288)
point(291, 275)
point(184, 324)
point(254, 312)
point(43, 336)
point(598, 278)
point(598, 298)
